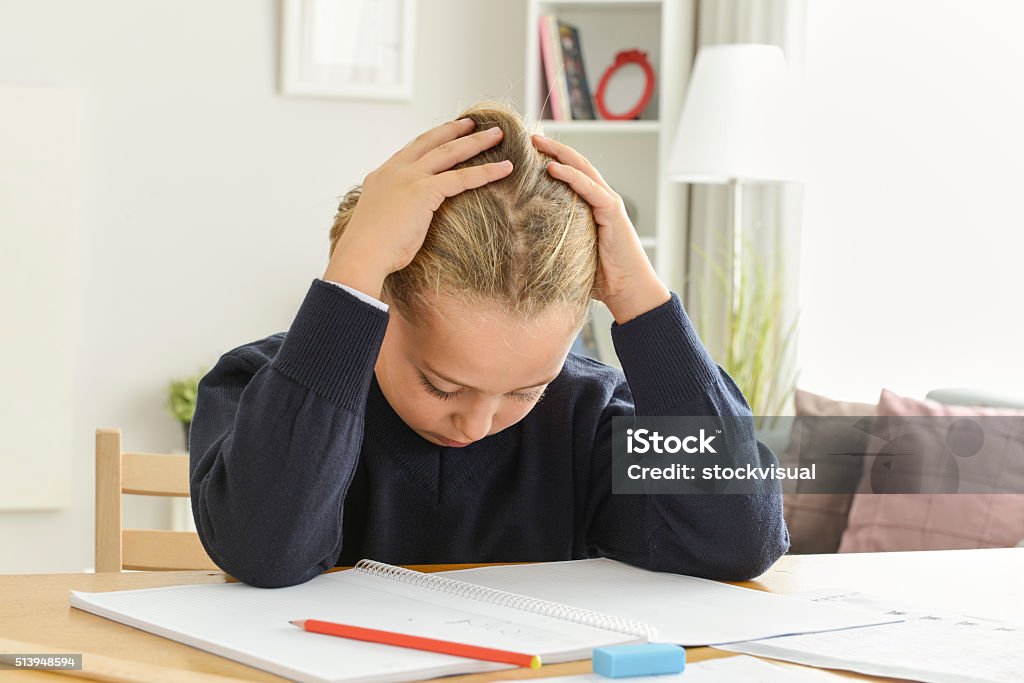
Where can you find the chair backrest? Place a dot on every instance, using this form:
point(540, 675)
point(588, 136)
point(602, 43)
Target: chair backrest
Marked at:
point(147, 474)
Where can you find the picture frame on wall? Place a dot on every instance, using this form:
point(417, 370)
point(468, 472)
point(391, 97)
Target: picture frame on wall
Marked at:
point(358, 49)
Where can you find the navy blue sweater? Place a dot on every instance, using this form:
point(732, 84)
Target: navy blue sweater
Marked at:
point(299, 464)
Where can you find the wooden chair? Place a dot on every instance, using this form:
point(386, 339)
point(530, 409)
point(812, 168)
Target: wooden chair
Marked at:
point(148, 474)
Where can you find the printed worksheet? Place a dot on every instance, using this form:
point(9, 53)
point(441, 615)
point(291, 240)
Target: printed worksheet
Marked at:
point(931, 646)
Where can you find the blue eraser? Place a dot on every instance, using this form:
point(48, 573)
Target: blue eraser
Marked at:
point(646, 659)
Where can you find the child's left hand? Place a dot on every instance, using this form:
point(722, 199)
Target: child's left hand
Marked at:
point(626, 281)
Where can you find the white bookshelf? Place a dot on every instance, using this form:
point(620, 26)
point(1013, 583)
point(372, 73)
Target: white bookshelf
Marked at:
point(631, 155)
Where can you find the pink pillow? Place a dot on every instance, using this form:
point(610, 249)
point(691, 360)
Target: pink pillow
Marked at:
point(935, 521)
point(816, 521)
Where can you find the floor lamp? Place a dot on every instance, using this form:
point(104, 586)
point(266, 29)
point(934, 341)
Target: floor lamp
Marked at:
point(739, 125)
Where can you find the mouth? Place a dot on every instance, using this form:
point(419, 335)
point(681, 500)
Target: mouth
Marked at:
point(449, 442)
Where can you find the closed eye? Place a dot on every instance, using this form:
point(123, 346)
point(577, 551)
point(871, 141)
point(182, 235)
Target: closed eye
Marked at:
point(437, 393)
point(526, 397)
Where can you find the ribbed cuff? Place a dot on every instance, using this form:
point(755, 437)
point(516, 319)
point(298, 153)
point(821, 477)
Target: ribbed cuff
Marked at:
point(332, 345)
point(662, 356)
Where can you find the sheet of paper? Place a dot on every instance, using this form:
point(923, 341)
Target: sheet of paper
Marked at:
point(684, 609)
point(724, 670)
point(930, 645)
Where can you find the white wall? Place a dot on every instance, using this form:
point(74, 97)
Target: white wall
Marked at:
point(205, 197)
point(913, 233)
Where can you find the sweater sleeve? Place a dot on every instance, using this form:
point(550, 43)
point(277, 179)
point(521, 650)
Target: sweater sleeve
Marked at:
point(274, 444)
point(719, 536)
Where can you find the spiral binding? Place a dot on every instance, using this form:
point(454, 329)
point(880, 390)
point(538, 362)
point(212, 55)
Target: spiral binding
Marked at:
point(506, 599)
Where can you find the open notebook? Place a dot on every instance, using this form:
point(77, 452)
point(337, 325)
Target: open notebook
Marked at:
point(250, 625)
point(577, 605)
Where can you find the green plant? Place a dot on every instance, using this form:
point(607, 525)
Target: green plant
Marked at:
point(756, 346)
point(181, 396)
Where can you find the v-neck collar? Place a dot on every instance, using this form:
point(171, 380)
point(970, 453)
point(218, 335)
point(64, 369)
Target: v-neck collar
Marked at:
point(439, 470)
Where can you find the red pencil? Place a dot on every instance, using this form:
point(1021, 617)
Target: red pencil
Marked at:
point(418, 643)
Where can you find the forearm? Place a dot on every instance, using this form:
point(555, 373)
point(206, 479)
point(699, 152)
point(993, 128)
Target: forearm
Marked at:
point(267, 495)
point(723, 536)
point(273, 454)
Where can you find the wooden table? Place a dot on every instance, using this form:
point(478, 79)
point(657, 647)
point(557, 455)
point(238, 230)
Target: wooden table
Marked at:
point(34, 607)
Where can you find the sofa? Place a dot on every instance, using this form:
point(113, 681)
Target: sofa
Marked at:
point(855, 519)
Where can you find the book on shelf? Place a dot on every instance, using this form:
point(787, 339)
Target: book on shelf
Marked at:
point(581, 105)
point(568, 91)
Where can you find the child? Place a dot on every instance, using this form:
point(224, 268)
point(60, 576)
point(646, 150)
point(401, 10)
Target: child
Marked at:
point(424, 406)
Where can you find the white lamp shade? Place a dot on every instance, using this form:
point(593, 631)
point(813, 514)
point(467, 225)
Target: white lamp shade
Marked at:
point(740, 119)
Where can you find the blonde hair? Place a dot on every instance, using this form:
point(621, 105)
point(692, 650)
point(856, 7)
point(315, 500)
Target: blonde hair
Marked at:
point(523, 244)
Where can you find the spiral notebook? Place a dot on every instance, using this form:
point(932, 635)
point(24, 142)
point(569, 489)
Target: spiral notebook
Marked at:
point(250, 625)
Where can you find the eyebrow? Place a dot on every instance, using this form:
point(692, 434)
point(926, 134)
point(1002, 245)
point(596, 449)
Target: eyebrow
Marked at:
point(453, 381)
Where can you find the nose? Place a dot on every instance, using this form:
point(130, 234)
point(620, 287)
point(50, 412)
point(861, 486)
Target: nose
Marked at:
point(475, 423)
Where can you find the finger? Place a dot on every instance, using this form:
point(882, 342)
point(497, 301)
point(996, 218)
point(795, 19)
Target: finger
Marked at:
point(593, 192)
point(567, 155)
point(451, 183)
point(446, 155)
point(438, 135)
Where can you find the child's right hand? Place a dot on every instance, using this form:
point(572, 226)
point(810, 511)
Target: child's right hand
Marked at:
point(398, 200)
